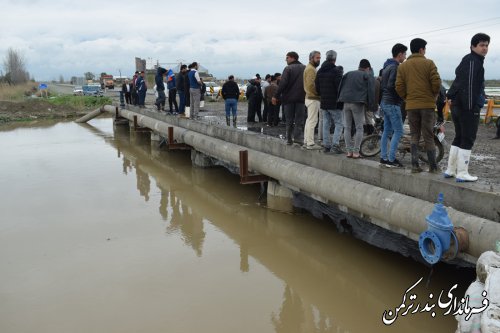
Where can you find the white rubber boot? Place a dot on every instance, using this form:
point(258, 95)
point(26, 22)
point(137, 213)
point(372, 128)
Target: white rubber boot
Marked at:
point(452, 163)
point(463, 167)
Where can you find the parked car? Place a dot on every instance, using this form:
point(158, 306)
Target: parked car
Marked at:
point(212, 89)
point(78, 91)
point(92, 90)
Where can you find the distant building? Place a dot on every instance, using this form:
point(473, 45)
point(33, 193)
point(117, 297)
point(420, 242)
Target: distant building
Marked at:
point(140, 64)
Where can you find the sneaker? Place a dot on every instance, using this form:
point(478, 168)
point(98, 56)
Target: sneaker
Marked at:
point(336, 150)
point(313, 147)
point(383, 162)
point(289, 143)
point(326, 150)
point(394, 164)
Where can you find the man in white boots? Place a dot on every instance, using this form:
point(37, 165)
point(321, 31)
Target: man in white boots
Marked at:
point(467, 98)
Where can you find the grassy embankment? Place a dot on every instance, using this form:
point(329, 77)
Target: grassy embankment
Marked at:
point(23, 92)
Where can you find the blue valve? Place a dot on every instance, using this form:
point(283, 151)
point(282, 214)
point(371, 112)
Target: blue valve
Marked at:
point(437, 238)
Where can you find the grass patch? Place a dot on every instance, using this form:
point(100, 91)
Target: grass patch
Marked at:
point(80, 102)
point(17, 92)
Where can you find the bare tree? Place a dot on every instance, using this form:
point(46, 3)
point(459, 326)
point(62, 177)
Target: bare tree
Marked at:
point(15, 67)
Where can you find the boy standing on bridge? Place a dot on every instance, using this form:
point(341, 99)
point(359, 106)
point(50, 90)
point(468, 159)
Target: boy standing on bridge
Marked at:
point(467, 98)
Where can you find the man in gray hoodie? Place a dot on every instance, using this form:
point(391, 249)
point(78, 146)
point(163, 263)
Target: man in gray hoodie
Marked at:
point(357, 92)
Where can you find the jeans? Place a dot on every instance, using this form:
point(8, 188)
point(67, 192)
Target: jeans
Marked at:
point(231, 106)
point(171, 99)
point(295, 117)
point(393, 126)
point(356, 112)
point(332, 117)
point(182, 101)
point(160, 100)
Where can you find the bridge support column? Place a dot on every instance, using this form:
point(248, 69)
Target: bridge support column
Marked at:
point(279, 197)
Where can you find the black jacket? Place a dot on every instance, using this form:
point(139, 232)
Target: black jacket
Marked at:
point(160, 86)
point(467, 91)
point(179, 80)
point(291, 87)
point(124, 88)
point(230, 89)
point(388, 84)
point(254, 92)
point(327, 85)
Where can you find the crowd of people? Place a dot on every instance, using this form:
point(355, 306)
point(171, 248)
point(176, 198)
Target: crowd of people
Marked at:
point(323, 95)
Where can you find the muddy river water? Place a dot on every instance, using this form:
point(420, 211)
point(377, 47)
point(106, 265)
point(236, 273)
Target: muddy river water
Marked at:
point(102, 232)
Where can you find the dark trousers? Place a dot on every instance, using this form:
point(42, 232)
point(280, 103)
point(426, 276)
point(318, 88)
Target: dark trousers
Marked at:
point(160, 100)
point(265, 111)
point(272, 116)
point(172, 99)
point(295, 119)
point(254, 108)
point(182, 101)
point(135, 97)
point(128, 99)
point(422, 122)
point(466, 123)
point(141, 97)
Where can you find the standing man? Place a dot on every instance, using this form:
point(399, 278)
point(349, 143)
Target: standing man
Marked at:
point(292, 95)
point(141, 89)
point(126, 89)
point(263, 85)
point(133, 94)
point(391, 107)
point(160, 88)
point(357, 92)
point(254, 97)
point(467, 98)
point(327, 85)
point(230, 93)
point(172, 92)
point(418, 83)
point(312, 100)
point(180, 89)
point(273, 114)
point(194, 90)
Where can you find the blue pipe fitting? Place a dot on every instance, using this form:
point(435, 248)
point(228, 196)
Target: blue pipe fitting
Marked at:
point(437, 238)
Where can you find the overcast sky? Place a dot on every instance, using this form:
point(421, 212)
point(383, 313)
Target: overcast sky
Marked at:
point(239, 37)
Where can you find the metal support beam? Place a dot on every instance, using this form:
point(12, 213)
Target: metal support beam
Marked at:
point(172, 144)
point(245, 178)
point(138, 128)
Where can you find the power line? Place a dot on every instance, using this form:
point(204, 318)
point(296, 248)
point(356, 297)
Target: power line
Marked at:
point(421, 33)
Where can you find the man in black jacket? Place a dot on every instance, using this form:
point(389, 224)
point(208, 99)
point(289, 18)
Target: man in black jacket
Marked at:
point(327, 85)
point(126, 89)
point(254, 97)
point(180, 89)
point(292, 95)
point(230, 93)
point(467, 98)
point(160, 88)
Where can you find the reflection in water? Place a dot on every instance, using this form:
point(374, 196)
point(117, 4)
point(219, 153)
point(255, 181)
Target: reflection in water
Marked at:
point(291, 316)
point(143, 182)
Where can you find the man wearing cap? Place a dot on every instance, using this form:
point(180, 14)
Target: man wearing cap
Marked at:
point(357, 92)
point(312, 100)
point(418, 83)
point(327, 85)
point(291, 94)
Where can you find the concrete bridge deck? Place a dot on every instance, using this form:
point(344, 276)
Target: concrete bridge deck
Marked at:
point(395, 200)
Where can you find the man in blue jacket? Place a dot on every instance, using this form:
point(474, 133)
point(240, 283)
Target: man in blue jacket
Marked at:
point(141, 88)
point(467, 98)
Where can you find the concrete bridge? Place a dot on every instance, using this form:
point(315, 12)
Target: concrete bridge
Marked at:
point(384, 207)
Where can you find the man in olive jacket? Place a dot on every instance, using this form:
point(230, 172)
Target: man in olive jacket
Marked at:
point(418, 83)
point(312, 100)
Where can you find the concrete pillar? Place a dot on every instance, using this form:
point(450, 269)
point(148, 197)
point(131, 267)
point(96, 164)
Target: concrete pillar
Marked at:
point(279, 197)
point(201, 160)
